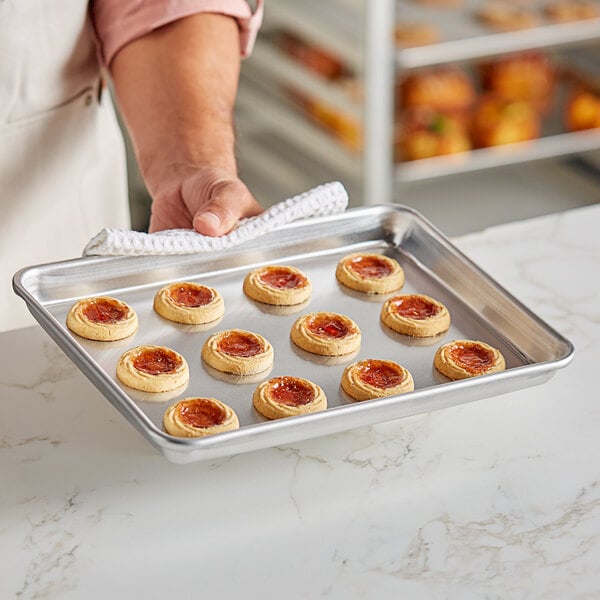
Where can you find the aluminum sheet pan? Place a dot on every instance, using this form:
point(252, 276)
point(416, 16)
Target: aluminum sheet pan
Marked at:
point(479, 307)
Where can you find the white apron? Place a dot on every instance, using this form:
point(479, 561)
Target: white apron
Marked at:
point(62, 158)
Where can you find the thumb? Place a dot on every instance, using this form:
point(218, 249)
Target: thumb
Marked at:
point(226, 206)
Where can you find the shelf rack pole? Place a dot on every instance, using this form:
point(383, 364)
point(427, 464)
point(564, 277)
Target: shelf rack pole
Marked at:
point(378, 117)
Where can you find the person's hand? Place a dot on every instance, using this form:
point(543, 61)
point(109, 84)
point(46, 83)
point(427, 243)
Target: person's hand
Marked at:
point(207, 199)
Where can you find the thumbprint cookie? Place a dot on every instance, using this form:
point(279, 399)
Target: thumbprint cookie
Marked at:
point(372, 378)
point(238, 351)
point(326, 333)
point(416, 315)
point(370, 273)
point(199, 417)
point(461, 359)
point(189, 303)
point(102, 318)
point(277, 285)
point(288, 397)
point(153, 369)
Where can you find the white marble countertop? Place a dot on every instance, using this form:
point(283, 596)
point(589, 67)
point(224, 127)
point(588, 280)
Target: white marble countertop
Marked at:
point(495, 499)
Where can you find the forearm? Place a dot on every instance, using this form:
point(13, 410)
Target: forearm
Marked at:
point(176, 90)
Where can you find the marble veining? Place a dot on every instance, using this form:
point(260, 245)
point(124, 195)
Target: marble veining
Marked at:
point(52, 565)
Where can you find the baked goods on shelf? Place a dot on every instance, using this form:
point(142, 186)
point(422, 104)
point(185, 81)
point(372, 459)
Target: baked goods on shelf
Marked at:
point(409, 35)
point(446, 90)
point(288, 396)
point(153, 369)
point(346, 127)
point(563, 11)
point(582, 110)
point(102, 318)
point(199, 417)
point(440, 3)
point(520, 97)
point(502, 15)
point(279, 285)
point(527, 76)
point(374, 378)
point(370, 272)
point(189, 303)
point(315, 58)
point(238, 351)
point(435, 111)
point(343, 126)
point(461, 359)
point(326, 334)
point(425, 134)
point(498, 121)
point(416, 315)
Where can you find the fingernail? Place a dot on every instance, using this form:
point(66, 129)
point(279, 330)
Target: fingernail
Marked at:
point(209, 219)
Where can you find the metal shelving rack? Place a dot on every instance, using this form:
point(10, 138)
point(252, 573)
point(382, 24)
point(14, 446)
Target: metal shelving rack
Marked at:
point(362, 33)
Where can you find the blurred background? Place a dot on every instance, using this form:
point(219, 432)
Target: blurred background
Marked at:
point(473, 112)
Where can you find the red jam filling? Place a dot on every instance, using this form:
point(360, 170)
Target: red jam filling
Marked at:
point(201, 413)
point(282, 278)
point(157, 361)
point(328, 325)
point(240, 344)
point(472, 357)
point(291, 391)
point(380, 374)
point(190, 295)
point(415, 307)
point(105, 310)
point(370, 266)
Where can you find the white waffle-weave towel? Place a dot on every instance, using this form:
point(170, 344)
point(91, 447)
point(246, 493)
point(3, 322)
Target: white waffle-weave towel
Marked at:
point(326, 199)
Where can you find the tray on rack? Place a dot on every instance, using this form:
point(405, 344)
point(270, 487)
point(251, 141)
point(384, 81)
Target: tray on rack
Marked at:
point(480, 309)
point(554, 138)
point(464, 36)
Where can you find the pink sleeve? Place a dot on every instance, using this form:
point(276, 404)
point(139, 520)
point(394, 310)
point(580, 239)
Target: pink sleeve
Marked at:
point(118, 22)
